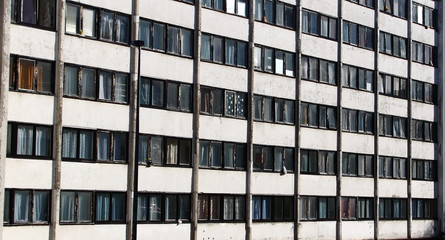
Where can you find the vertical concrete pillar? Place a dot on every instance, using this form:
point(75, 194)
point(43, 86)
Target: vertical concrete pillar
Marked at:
point(5, 16)
point(132, 161)
point(441, 124)
point(339, 116)
point(376, 120)
point(196, 125)
point(58, 118)
point(297, 118)
point(250, 87)
point(409, 122)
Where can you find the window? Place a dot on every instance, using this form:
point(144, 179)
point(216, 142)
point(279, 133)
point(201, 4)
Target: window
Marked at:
point(357, 121)
point(394, 7)
point(264, 61)
point(114, 27)
point(76, 207)
point(317, 162)
point(423, 53)
point(27, 206)
point(319, 116)
point(357, 78)
point(318, 70)
point(319, 25)
point(366, 3)
point(392, 86)
point(273, 159)
point(424, 131)
point(317, 208)
point(272, 208)
point(276, 110)
point(223, 50)
point(392, 167)
point(221, 102)
point(78, 144)
point(392, 45)
point(219, 155)
point(424, 208)
point(110, 207)
point(424, 170)
point(424, 15)
point(164, 151)
point(392, 126)
point(29, 141)
point(358, 35)
point(222, 208)
point(392, 208)
point(166, 95)
point(111, 146)
point(166, 38)
point(40, 13)
point(81, 20)
point(355, 208)
point(31, 75)
point(238, 7)
point(157, 207)
point(82, 82)
point(275, 12)
point(357, 165)
point(424, 92)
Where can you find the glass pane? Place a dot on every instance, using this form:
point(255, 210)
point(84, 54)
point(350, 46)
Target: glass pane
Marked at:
point(88, 83)
point(72, 19)
point(142, 207)
point(26, 74)
point(172, 151)
point(230, 103)
point(29, 11)
point(69, 143)
point(205, 47)
point(122, 28)
point(103, 146)
point(22, 211)
point(184, 207)
point(145, 91)
point(215, 207)
point(170, 207)
point(228, 208)
point(204, 150)
point(154, 207)
point(118, 207)
point(187, 42)
point(158, 36)
point(67, 202)
point(173, 39)
point(216, 154)
point(103, 206)
point(43, 141)
point(185, 92)
point(157, 150)
point(240, 160)
point(106, 25)
point(184, 151)
point(157, 93)
point(84, 207)
point(25, 136)
point(120, 88)
point(105, 85)
point(241, 53)
point(145, 32)
point(89, 22)
point(203, 207)
point(172, 95)
point(120, 147)
point(217, 49)
point(229, 150)
point(230, 52)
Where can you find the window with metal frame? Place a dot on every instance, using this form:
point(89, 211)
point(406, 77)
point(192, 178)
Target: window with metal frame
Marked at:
point(396, 8)
point(392, 167)
point(358, 35)
point(424, 170)
point(272, 208)
point(275, 61)
point(318, 116)
point(319, 25)
point(317, 208)
point(31, 75)
point(29, 141)
point(360, 165)
point(26, 206)
point(357, 121)
point(221, 208)
point(222, 155)
point(163, 207)
point(318, 162)
point(356, 208)
point(275, 12)
point(220, 102)
point(393, 45)
point(318, 70)
point(392, 126)
point(392, 209)
point(357, 78)
point(38, 13)
point(223, 50)
point(273, 159)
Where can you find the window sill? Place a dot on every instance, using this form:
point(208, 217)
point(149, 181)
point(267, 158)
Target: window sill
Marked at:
point(21, 90)
point(34, 26)
point(96, 100)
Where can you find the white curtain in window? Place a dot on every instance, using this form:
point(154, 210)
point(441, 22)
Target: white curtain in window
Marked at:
point(230, 52)
point(256, 202)
point(142, 208)
point(67, 200)
point(121, 29)
point(322, 207)
point(172, 151)
point(145, 32)
point(84, 208)
point(120, 89)
point(70, 84)
point(105, 81)
point(173, 40)
point(102, 207)
point(72, 18)
point(239, 208)
point(155, 208)
point(103, 146)
point(86, 145)
point(266, 208)
point(228, 208)
point(156, 150)
point(69, 143)
point(43, 141)
point(88, 82)
point(145, 92)
point(143, 148)
point(89, 22)
point(40, 210)
point(21, 206)
point(24, 140)
point(106, 25)
point(230, 6)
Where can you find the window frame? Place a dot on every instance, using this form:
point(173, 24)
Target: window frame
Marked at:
point(282, 105)
point(223, 51)
point(13, 126)
point(273, 58)
point(369, 35)
point(274, 163)
point(319, 160)
point(224, 107)
point(17, 15)
point(163, 197)
point(392, 201)
point(31, 212)
point(273, 213)
point(222, 165)
point(221, 208)
point(319, 16)
point(305, 115)
point(304, 209)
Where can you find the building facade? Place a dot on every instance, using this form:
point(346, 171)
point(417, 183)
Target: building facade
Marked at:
point(251, 119)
